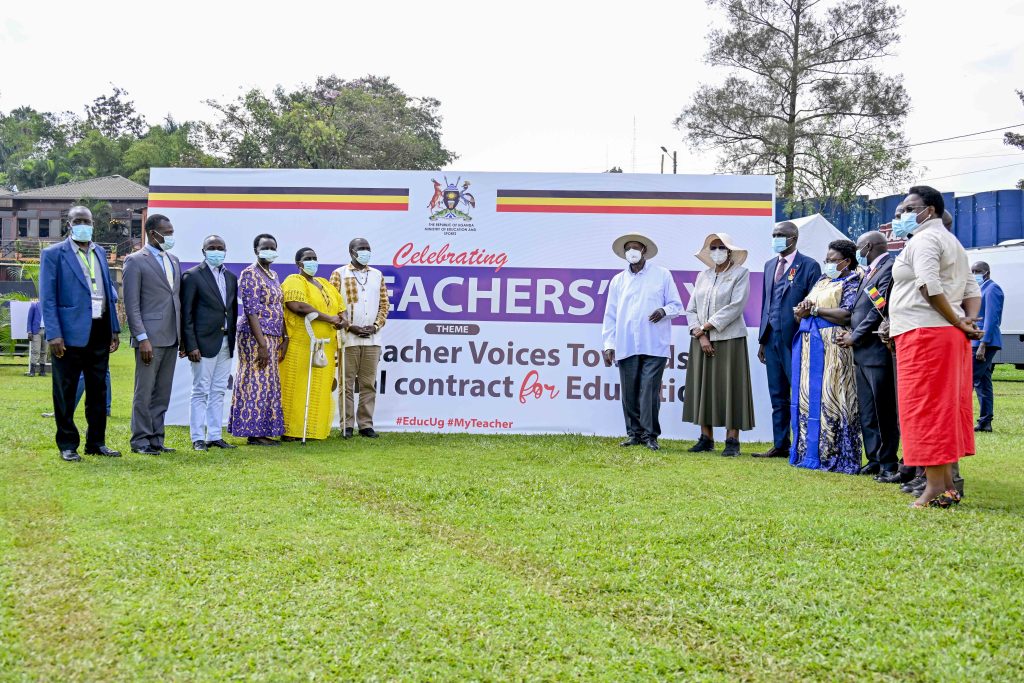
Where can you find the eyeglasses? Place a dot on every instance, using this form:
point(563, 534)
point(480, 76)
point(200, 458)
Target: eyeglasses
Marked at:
point(719, 248)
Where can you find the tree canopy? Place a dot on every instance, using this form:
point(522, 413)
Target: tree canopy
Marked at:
point(1016, 140)
point(803, 98)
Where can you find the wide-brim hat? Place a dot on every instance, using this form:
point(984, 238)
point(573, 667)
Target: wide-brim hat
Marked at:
point(739, 256)
point(619, 245)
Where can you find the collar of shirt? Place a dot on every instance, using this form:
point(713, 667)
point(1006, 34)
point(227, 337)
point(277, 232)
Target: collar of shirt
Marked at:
point(788, 260)
point(155, 251)
point(74, 245)
point(878, 259)
point(629, 269)
point(930, 223)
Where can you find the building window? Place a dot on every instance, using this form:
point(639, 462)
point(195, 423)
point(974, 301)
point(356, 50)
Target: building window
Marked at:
point(22, 227)
point(136, 228)
point(44, 228)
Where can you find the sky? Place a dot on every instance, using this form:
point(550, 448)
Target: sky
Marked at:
point(550, 86)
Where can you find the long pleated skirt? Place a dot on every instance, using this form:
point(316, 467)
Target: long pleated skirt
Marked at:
point(718, 392)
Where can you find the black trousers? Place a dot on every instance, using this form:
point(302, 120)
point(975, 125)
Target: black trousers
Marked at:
point(91, 362)
point(640, 384)
point(778, 353)
point(876, 395)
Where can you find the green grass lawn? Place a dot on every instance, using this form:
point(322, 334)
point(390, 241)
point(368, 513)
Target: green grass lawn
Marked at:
point(426, 557)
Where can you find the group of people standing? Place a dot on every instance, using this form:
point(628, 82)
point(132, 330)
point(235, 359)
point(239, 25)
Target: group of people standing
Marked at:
point(831, 343)
point(286, 339)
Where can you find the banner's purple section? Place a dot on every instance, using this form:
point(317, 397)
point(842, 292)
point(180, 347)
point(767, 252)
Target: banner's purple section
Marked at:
point(529, 295)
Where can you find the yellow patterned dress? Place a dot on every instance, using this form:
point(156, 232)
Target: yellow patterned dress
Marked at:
point(295, 367)
point(825, 415)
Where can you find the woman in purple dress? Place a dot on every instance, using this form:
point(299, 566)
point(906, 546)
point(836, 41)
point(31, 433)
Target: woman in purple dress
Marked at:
point(256, 399)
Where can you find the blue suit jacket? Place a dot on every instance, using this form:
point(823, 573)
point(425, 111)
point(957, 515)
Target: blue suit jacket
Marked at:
point(35, 318)
point(807, 272)
point(991, 314)
point(65, 295)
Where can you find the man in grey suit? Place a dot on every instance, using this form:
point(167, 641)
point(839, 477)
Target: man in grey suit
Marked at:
point(151, 281)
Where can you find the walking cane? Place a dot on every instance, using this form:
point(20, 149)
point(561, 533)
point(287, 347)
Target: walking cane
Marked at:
point(313, 340)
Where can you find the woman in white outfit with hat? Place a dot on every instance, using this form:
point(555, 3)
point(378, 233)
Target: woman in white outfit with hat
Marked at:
point(718, 392)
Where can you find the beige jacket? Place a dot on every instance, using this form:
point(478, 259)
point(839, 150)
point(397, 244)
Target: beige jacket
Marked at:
point(719, 298)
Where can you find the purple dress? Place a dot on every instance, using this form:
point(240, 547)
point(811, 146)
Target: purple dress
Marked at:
point(256, 398)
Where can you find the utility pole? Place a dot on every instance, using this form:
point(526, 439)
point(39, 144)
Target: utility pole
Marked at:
point(675, 160)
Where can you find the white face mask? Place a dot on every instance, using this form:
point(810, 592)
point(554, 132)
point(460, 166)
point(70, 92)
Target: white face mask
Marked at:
point(719, 256)
point(634, 255)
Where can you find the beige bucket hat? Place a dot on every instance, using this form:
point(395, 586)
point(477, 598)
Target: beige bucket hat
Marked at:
point(739, 256)
point(619, 245)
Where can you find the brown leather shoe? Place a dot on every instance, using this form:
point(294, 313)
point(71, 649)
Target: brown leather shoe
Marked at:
point(772, 453)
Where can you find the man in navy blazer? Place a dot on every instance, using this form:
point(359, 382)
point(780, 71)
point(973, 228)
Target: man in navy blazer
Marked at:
point(80, 317)
point(985, 350)
point(875, 366)
point(787, 280)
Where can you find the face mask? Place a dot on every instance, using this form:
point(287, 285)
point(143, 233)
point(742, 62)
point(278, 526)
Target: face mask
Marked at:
point(719, 256)
point(904, 224)
point(268, 255)
point(633, 255)
point(310, 267)
point(779, 244)
point(81, 232)
point(214, 257)
point(363, 256)
point(980, 279)
point(832, 271)
point(167, 244)
point(862, 260)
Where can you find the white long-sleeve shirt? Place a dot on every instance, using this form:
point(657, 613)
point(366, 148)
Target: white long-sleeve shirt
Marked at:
point(632, 297)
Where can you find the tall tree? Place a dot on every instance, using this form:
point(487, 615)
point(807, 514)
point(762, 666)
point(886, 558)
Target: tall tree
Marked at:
point(170, 145)
point(114, 115)
point(1016, 140)
point(804, 99)
point(364, 123)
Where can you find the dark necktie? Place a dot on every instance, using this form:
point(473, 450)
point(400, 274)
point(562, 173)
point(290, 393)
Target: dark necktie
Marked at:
point(780, 269)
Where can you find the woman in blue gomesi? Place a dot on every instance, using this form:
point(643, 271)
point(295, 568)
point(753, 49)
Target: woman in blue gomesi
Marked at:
point(825, 418)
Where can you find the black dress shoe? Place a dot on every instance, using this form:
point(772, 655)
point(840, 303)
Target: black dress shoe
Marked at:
point(147, 450)
point(199, 446)
point(220, 443)
point(652, 444)
point(631, 441)
point(870, 468)
point(913, 485)
point(886, 477)
point(732, 448)
point(103, 450)
point(347, 434)
point(703, 445)
point(983, 427)
point(369, 433)
point(70, 456)
point(165, 449)
point(773, 453)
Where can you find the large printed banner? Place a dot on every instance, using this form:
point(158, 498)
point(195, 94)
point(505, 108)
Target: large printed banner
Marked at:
point(497, 281)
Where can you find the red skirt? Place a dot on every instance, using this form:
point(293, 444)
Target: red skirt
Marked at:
point(933, 387)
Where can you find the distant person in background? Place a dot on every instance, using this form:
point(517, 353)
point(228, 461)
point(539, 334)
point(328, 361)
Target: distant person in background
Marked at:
point(256, 398)
point(152, 284)
point(306, 391)
point(38, 349)
point(986, 348)
point(788, 279)
point(365, 295)
point(209, 307)
point(826, 423)
point(637, 332)
point(874, 362)
point(78, 298)
point(718, 391)
point(935, 301)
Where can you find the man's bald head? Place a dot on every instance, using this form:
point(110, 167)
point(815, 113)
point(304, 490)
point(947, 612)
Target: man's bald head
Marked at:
point(981, 268)
point(786, 228)
point(79, 215)
point(871, 245)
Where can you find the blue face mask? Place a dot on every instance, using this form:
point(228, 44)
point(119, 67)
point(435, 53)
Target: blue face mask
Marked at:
point(268, 255)
point(980, 279)
point(832, 271)
point(310, 267)
point(779, 244)
point(81, 232)
point(904, 224)
point(363, 256)
point(215, 257)
point(862, 260)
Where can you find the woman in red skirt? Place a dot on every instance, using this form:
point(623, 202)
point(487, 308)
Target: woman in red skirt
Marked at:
point(935, 299)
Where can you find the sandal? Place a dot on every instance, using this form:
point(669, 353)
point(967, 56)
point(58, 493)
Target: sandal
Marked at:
point(943, 500)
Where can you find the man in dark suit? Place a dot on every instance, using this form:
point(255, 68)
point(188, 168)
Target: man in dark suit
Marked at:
point(787, 280)
point(875, 368)
point(209, 296)
point(985, 350)
point(151, 282)
point(78, 300)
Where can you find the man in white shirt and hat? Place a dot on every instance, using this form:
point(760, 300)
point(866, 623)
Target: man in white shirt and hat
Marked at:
point(642, 300)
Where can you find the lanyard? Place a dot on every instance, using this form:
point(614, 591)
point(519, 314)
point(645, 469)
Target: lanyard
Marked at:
point(90, 263)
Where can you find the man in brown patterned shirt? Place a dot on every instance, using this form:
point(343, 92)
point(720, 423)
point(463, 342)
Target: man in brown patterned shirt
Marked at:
point(366, 299)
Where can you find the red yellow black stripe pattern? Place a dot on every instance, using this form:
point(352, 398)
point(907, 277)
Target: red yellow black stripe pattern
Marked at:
point(317, 198)
point(616, 202)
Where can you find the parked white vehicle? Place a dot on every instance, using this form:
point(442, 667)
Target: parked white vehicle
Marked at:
point(1007, 263)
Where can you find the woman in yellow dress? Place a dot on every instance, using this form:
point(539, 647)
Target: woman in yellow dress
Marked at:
point(304, 293)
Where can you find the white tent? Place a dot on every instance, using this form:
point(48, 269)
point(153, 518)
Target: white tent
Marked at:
point(815, 234)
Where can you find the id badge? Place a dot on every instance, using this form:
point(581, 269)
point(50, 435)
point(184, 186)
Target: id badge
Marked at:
point(97, 308)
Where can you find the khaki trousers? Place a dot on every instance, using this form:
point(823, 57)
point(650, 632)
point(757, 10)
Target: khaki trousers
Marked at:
point(360, 368)
point(39, 349)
